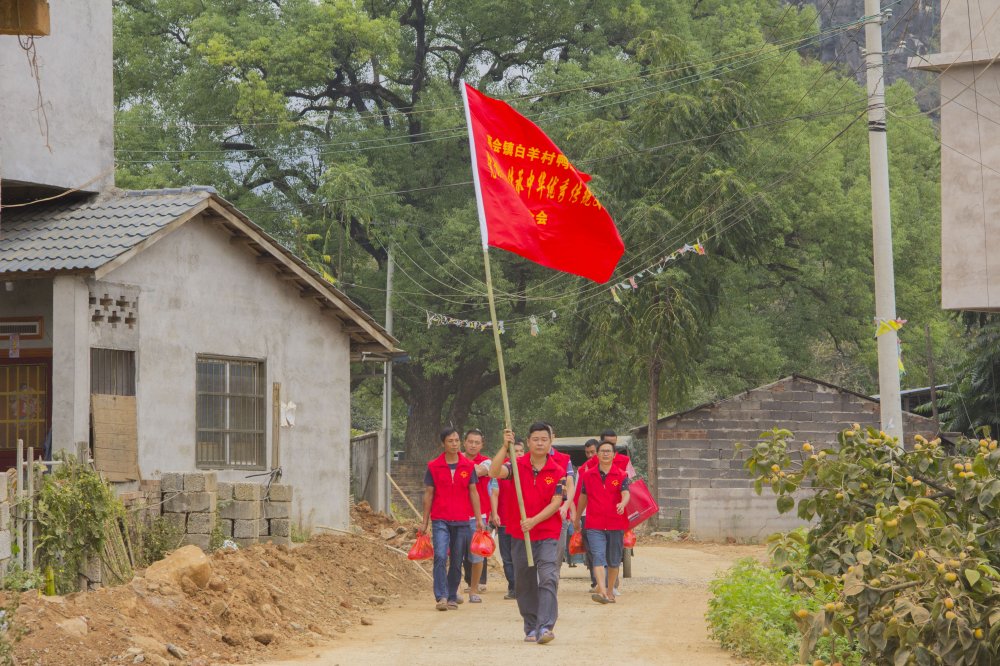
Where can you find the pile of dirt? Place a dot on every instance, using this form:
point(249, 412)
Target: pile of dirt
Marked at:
point(232, 606)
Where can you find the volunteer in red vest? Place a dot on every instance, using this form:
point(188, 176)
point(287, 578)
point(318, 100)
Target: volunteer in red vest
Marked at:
point(604, 495)
point(504, 504)
point(450, 500)
point(475, 565)
point(543, 488)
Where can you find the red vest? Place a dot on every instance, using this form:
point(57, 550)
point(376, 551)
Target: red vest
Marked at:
point(561, 458)
point(537, 492)
point(483, 485)
point(507, 502)
point(602, 497)
point(620, 460)
point(451, 495)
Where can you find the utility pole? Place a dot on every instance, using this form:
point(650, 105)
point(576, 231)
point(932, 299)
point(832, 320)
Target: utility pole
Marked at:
point(387, 388)
point(885, 290)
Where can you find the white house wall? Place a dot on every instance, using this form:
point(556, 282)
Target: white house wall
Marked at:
point(72, 143)
point(29, 298)
point(201, 294)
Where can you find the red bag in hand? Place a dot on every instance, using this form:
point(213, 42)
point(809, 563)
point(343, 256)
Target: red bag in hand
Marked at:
point(576, 546)
point(641, 504)
point(422, 548)
point(482, 544)
point(629, 541)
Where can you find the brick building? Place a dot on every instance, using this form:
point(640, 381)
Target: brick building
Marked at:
point(701, 484)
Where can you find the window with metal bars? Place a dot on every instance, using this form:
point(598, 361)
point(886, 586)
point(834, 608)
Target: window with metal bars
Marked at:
point(112, 371)
point(230, 413)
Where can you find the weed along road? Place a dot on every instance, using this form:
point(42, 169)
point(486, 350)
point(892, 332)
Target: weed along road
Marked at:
point(659, 620)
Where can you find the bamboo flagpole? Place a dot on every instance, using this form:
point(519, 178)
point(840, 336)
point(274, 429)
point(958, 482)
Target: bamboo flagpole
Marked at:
point(493, 317)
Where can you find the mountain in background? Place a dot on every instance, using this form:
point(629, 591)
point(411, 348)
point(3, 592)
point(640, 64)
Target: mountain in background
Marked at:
point(912, 29)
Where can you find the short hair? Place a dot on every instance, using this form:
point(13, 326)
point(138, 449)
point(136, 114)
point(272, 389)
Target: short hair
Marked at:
point(519, 440)
point(590, 442)
point(608, 442)
point(474, 431)
point(538, 426)
point(608, 433)
point(448, 432)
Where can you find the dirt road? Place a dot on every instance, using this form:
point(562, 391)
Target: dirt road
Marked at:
point(659, 620)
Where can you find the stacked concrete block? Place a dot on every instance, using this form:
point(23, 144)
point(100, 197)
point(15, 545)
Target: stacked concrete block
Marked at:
point(278, 512)
point(245, 512)
point(189, 501)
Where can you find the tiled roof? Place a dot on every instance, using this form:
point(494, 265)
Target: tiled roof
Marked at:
point(85, 235)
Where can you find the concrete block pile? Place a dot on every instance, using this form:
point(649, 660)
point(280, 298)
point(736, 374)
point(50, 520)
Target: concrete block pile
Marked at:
point(248, 513)
point(190, 503)
point(251, 512)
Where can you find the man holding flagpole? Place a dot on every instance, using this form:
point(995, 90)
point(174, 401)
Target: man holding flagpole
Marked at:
point(533, 202)
point(541, 482)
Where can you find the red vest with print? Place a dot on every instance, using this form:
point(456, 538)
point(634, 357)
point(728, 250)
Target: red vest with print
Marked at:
point(483, 485)
point(538, 491)
point(451, 495)
point(602, 497)
point(620, 460)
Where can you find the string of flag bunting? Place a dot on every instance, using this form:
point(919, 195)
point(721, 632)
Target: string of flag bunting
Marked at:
point(632, 283)
point(438, 319)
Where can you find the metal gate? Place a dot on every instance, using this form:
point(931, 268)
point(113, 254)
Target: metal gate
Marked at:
point(24, 403)
point(364, 468)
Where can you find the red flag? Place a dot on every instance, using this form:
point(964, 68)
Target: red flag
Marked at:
point(532, 201)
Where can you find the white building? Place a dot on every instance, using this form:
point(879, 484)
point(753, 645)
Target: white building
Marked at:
point(178, 304)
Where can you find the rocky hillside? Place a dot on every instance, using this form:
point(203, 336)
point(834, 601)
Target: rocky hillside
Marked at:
point(912, 29)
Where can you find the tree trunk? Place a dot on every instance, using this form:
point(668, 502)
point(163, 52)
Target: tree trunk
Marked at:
point(652, 438)
point(425, 401)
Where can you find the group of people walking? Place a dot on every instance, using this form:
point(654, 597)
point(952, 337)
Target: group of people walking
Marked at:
point(465, 490)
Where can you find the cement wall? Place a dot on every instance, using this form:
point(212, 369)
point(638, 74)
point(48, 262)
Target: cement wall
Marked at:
point(718, 514)
point(70, 363)
point(200, 294)
point(697, 459)
point(970, 155)
point(75, 82)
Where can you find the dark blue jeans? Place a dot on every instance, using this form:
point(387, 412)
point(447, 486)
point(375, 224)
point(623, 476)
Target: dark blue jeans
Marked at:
point(507, 557)
point(451, 542)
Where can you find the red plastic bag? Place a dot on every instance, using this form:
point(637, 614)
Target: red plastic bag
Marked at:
point(482, 544)
point(422, 548)
point(629, 541)
point(576, 546)
point(641, 505)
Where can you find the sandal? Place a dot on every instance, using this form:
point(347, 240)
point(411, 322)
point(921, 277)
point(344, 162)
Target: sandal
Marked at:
point(475, 599)
point(601, 599)
point(459, 600)
point(452, 605)
point(441, 605)
point(530, 638)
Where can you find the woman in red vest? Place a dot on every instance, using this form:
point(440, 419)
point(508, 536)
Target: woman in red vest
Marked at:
point(604, 496)
point(451, 500)
point(543, 488)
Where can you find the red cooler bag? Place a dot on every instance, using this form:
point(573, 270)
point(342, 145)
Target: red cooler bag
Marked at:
point(422, 548)
point(641, 505)
point(482, 544)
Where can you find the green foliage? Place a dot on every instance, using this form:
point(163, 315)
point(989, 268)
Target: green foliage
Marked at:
point(73, 508)
point(902, 544)
point(753, 614)
point(11, 631)
point(18, 579)
point(971, 403)
point(152, 537)
point(750, 613)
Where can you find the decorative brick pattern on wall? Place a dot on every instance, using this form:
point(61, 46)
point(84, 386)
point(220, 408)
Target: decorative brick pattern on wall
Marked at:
point(696, 449)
